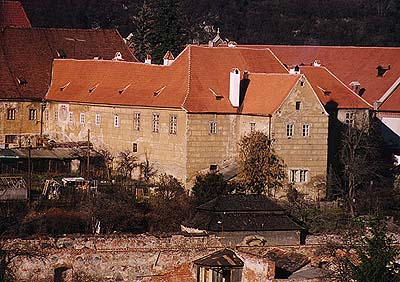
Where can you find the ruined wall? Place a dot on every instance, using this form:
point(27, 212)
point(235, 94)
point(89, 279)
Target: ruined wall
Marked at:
point(303, 152)
point(164, 150)
point(22, 127)
point(261, 238)
point(129, 258)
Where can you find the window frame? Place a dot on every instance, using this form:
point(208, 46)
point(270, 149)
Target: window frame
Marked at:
point(116, 121)
point(135, 147)
point(213, 127)
point(70, 117)
point(173, 124)
point(32, 114)
point(11, 113)
point(156, 123)
point(97, 119)
point(56, 116)
point(350, 119)
point(306, 130)
point(298, 105)
point(252, 127)
point(289, 130)
point(136, 121)
point(82, 118)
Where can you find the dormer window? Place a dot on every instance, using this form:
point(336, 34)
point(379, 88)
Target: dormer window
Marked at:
point(61, 54)
point(22, 81)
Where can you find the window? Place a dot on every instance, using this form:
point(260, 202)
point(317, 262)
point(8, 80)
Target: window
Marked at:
point(82, 118)
point(349, 119)
point(46, 115)
point(302, 83)
point(213, 167)
point(134, 147)
point(11, 139)
point(71, 117)
point(293, 175)
point(11, 114)
point(298, 175)
point(306, 130)
point(172, 124)
point(55, 115)
point(252, 127)
point(32, 114)
point(298, 103)
point(303, 175)
point(97, 119)
point(289, 130)
point(116, 121)
point(156, 123)
point(136, 122)
point(213, 127)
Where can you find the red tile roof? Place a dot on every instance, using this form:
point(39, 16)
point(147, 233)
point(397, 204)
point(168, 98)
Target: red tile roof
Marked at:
point(197, 81)
point(266, 92)
point(347, 63)
point(392, 103)
point(330, 89)
point(27, 53)
point(13, 14)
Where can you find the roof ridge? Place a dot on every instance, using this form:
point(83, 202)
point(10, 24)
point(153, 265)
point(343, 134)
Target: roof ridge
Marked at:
point(355, 94)
point(189, 75)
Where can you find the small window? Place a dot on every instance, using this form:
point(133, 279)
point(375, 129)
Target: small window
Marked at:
point(82, 118)
point(71, 117)
point(303, 175)
point(97, 119)
point(306, 130)
point(293, 175)
point(55, 115)
point(32, 114)
point(116, 121)
point(349, 119)
point(11, 113)
point(156, 123)
point(10, 139)
point(289, 130)
point(213, 127)
point(302, 83)
point(298, 103)
point(172, 124)
point(134, 147)
point(136, 122)
point(46, 115)
point(252, 127)
point(213, 167)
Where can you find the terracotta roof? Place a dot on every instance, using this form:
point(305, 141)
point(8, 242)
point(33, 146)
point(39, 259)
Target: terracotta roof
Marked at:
point(347, 63)
point(392, 103)
point(266, 92)
point(222, 258)
point(198, 80)
point(27, 54)
point(13, 14)
point(330, 89)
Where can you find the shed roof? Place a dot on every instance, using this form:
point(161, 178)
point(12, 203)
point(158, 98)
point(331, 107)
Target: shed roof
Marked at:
point(12, 13)
point(222, 258)
point(26, 55)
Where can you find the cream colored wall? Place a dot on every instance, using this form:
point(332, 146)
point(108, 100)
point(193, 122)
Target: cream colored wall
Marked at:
point(167, 152)
point(299, 152)
point(24, 128)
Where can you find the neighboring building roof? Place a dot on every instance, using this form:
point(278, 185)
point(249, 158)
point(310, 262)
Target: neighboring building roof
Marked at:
point(330, 89)
point(391, 101)
point(222, 258)
point(13, 14)
point(242, 213)
point(26, 56)
point(197, 81)
point(347, 63)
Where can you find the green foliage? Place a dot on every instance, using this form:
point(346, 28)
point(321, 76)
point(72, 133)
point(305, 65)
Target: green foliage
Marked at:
point(209, 186)
point(376, 256)
point(261, 170)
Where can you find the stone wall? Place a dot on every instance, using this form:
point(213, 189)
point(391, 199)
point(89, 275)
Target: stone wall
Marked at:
point(128, 258)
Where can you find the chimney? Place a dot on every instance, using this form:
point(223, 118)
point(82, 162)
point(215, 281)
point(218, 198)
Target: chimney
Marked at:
point(355, 86)
point(234, 87)
point(232, 44)
point(316, 63)
point(148, 59)
point(118, 57)
point(168, 58)
point(295, 70)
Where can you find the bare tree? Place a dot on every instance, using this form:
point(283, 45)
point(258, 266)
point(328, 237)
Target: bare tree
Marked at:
point(260, 168)
point(126, 163)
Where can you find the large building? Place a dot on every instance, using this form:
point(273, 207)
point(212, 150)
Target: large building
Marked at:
point(191, 114)
point(26, 56)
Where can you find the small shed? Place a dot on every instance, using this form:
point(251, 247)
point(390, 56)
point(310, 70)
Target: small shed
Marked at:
point(249, 220)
